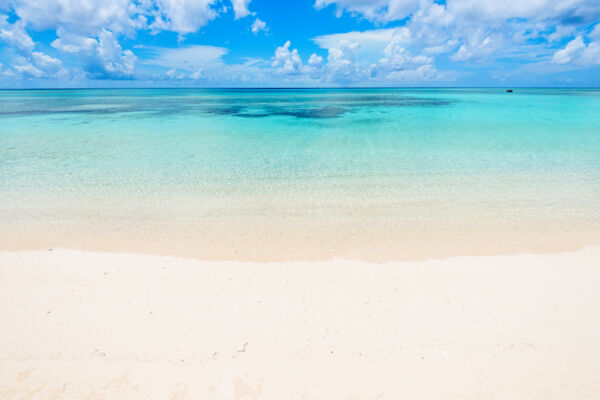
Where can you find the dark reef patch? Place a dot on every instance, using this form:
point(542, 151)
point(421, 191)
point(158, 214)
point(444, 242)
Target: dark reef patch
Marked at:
point(271, 111)
point(315, 107)
point(260, 105)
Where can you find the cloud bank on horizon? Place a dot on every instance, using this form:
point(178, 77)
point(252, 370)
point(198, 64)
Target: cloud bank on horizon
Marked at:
point(212, 43)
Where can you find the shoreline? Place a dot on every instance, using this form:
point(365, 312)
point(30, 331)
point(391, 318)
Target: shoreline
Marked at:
point(128, 326)
point(334, 259)
point(252, 242)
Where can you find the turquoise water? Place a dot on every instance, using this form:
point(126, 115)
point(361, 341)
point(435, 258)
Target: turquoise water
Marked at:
point(310, 172)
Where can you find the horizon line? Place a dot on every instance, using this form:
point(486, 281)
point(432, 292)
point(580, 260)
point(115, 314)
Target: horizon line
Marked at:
point(298, 87)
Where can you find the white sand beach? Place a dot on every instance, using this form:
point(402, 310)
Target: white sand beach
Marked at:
point(78, 325)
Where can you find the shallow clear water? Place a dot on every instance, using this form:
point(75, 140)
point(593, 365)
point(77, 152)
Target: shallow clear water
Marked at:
point(301, 174)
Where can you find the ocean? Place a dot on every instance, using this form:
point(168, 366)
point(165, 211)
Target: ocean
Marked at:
point(301, 174)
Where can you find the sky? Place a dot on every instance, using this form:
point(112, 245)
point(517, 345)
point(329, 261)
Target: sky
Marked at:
point(299, 43)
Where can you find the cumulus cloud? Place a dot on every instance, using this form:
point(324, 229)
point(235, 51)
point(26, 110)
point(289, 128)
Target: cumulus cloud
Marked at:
point(114, 62)
point(28, 70)
point(578, 52)
point(258, 26)
point(29, 63)
point(92, 37)
point(342, 61)
point(591, 54)
point(420, 74)
point(369, 57)
point(198, 74)
point(15, 34)
point(101, 56)
point(571, 50)
point(367, 46)
point(83, 16)
point(91, 29)
point(182, 16)
point(570, 11)
point(478, 30)
point(73, 43)
point(595, 32)
point(376, 55)
point(175, 75)
point(89, 17)
point(478, 44)
point(315, 60)
point(396, 57)
point(240, 8)
point(374, 10)
point(287, 62)
point(44, 61)
point(38, 65)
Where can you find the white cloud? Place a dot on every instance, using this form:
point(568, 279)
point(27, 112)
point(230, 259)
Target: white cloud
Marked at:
point(386, 60)
point(15, 34)
point(374, 10)
point(27, 70)
point(91, 33)
point(374, 37)
point(190, 58)
point(29, 63)
point(45, 62)
point(595, 33)
point(560, 32)
point(82, 16)
point(470, 10)
point(571, 50)
point(371, 43)
point(91, 29)
point(396, 57)
point(197, 62)
point(183, 16)
point(73, 43)
point(478, 44)
point(240, 8)
point(102, 57)
point(175, 75)
point(341, 61)
point(420, 74)
point(205, 63)
point(471, 30)
point(115, 61)
point(198, 74)
point(377, 55)
point(258, 26)
point(591, 54)
point(38, 65)
point(315, 60)
point(577, 52)
point(90, 17)
point(490, 10)
point(285, 61)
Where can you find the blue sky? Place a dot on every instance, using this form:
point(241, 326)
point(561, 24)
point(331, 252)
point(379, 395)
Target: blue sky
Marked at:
point(245, 43)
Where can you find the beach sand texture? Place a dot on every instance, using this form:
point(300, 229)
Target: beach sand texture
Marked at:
point(79, 325)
